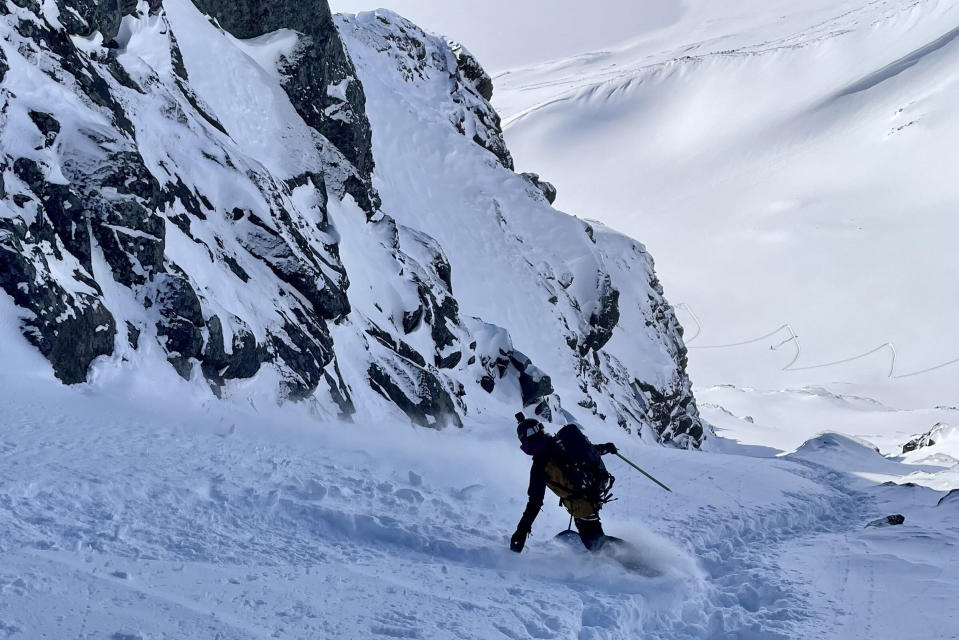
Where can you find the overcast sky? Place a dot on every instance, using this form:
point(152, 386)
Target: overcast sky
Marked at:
point(511, 33)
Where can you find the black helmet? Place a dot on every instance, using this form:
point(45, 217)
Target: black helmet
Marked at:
point(528, 428)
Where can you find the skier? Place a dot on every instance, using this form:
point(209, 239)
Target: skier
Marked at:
point(570, 466)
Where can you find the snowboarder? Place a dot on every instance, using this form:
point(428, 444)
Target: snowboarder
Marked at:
point(571, 467)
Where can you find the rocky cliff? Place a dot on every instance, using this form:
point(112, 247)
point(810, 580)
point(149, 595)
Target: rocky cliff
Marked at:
point(262, 196)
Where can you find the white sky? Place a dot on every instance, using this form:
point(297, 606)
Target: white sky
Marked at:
point(511, 33)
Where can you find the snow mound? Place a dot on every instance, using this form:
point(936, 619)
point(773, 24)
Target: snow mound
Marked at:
point(848, 454)
point(837, 445)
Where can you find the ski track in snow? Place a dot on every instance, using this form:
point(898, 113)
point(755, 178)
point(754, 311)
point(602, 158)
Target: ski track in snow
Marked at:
point(749, 594)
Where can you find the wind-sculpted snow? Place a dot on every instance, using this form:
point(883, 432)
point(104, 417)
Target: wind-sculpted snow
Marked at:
point(203, 189)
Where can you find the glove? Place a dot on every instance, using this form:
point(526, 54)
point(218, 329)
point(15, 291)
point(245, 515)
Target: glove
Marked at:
point(518, 541)
point(609, 447)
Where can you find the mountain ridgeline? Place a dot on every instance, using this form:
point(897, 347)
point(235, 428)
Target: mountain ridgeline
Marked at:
point(267, 198)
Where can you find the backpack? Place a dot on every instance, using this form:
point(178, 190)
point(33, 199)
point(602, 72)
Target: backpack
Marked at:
point(583, 465)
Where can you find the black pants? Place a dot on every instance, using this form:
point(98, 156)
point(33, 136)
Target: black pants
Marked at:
point(590, 531)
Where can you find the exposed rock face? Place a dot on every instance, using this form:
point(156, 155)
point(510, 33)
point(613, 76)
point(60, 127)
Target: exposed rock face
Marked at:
point(90, 189)
point(242, 361)
point(533, 383)
point(171, 193)
point(85, 17)
point(471, 71)
point(430, 406)
point(181, 321)
point(70, 328)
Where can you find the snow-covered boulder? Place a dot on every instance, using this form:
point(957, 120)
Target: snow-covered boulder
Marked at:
point(267, 199)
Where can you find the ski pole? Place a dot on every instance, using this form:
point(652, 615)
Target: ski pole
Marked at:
point(633, 465)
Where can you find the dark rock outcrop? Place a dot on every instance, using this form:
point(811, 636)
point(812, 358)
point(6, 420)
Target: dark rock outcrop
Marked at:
point(673, 415)
point(471, 71)
point(927, 439)
point(84, 17)
point(546, 188)
point(888, 521)
point(126, 226)
point(70, 328)
point(47, 125)
point(295, 262)
point(603, 319)
point(424, 400)
point(245, 355)
point(107, 200)
point(533, 383)
point(181, 321)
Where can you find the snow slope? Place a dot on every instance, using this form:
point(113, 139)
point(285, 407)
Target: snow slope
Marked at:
point(789, 165)
point(123, 515)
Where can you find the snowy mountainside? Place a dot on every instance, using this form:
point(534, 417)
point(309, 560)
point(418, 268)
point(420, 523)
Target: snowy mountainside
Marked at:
point(216, 186)
point(515, 261)
point(139, 506)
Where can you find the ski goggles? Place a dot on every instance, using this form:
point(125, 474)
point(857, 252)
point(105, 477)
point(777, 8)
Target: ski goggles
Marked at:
point(531, 431)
